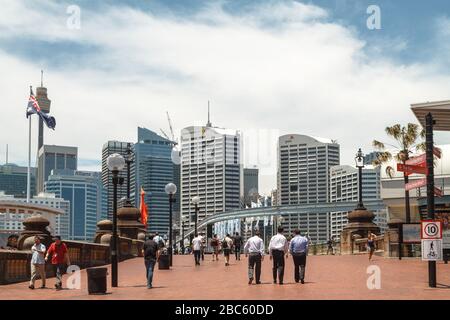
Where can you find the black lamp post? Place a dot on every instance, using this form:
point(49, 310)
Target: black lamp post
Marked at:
point(182, 235)
point(171, 189)
point(115, 163)
point(359, 159)
point(196, 201)
point(129, 161)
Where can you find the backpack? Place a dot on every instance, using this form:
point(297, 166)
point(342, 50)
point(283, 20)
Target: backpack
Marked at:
point(224, 244)
point(214, 243)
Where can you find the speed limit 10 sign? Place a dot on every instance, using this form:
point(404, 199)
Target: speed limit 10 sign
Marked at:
point(431, 229)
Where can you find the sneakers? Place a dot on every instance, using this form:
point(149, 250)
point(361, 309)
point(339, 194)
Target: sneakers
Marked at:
point(31, 287)
point(303, 281)
point(58, 287)
point(258, 282)
point(250, 281)
point(42, 287)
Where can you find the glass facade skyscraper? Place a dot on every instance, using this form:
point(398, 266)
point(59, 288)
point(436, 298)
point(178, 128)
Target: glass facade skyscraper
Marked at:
point(84, 190)
point(13, 180)
point(154, 170)
point(54, 158)
point(108, 149)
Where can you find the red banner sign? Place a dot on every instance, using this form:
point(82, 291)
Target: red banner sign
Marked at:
point(438, 192)
point(408, 169)
point(437, 152)
point(420, 161)
point(416, 184)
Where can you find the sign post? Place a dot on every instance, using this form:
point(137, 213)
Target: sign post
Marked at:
point(430, 187)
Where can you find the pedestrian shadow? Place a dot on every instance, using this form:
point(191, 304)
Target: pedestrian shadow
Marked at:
point(442, 286)
point(144, 286)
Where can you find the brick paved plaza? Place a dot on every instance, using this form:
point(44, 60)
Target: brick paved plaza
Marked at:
point(327, 277)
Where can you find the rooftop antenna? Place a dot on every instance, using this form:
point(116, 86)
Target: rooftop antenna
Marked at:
point(208, 124)
point(42, 78)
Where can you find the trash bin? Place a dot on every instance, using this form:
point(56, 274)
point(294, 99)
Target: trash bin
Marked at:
point(163, 263)
point(97, 280)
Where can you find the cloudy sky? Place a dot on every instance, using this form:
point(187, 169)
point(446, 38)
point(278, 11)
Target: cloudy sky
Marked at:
point(268, 68)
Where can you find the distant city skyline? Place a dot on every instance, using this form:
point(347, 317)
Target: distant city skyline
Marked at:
point(292, 67)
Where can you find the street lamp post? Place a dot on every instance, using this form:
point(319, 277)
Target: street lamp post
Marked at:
point(128, 161)
point(182, 235)
point(115, 164)
point(171, 189)
point(359, 159)
point(196, 201)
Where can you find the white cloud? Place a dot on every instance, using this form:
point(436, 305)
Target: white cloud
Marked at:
point(283, 67)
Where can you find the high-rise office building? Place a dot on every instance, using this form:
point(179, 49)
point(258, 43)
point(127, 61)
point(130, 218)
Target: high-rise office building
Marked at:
point(303, 178)
point(13, 180)
point(211, 169)
point(59, 224)
point(250, 186)
point(344, 184)
point(84, 190)
point(154, 169)
point(121, 148)
point(371, 157)
point(54, 158)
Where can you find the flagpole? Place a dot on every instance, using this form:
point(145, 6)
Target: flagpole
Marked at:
point(29, 161)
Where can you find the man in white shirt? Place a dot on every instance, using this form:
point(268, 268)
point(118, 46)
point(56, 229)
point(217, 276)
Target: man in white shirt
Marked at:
point(37, 262)
point(278, 247)
point(197, 244)
point(227, 243)
point(255, 248)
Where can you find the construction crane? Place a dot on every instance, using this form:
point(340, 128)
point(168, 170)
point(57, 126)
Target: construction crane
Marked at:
point(164, 134)
point(175, 141)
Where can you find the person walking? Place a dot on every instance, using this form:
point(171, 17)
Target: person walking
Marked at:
point(278, 247)
point(215, 247)
point(227, 244)
point(151, 254)
point(254, 250)
point(298, 248)
point(58, 255)
point(237, 246)
point(37, 262)
point(371, 244)
point(159, 240)
point(330, 248)
point(203, 246)
point(197, 247)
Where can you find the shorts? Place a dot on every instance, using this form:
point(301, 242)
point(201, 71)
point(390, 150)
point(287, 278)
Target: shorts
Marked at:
point(226, 252)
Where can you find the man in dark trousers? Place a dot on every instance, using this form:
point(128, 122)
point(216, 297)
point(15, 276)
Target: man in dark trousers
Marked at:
point(237, 245)
point(299, 250)
point(254, 247)
point(151, 256)
point(58, 255)
point(278, 247)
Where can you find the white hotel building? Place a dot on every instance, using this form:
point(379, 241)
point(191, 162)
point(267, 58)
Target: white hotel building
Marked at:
point(211, 168)
point(344, 187)
point(303, 178)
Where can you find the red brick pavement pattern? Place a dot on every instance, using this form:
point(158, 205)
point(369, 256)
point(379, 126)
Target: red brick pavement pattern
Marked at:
point(327, 277)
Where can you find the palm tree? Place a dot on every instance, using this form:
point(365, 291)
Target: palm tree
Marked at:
point(406, 139)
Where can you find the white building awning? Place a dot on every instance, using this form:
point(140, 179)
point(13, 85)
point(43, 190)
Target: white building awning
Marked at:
point(440, 111)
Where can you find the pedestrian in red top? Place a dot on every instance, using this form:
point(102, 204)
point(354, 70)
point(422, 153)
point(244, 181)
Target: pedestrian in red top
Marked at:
point(58, 254)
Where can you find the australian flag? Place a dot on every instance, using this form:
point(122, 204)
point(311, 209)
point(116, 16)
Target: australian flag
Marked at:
point(33, 107)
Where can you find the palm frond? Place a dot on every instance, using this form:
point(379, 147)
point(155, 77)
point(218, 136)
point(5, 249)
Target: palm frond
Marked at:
point(421, 146)
point(378, 145)
point(394, 131)
point(390, 171)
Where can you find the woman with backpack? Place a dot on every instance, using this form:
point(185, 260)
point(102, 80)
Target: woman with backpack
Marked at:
point(215, 246)
point(227, 243)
